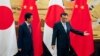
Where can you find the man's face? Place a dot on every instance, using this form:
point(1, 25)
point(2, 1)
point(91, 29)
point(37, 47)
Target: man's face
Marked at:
point(64, 18)
point(30, 20)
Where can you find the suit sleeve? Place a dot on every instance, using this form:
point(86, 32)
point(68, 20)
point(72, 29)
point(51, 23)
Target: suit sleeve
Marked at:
point(76, 31)
point(20, 37)
point(54, 35)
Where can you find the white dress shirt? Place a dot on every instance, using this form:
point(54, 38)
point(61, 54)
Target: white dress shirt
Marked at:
point(28, 25)
point(64, 25)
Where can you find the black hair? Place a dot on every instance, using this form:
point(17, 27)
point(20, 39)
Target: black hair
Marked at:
point(27, 16)
point(65, 14)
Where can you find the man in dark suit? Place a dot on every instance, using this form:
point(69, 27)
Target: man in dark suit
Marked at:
point(61, 31)
point(25, 37)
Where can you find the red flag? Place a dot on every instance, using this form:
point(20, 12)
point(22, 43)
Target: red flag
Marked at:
point(37, 33)
point(26, 7)
point(30, 6)
point(83, 45)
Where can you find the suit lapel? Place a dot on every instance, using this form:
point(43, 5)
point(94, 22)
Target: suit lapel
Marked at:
point(26, 28)
point(62, 27)
point(68, 27)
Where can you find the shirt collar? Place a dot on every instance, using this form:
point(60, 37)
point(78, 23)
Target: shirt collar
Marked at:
point(27, 23)
point(62, 22)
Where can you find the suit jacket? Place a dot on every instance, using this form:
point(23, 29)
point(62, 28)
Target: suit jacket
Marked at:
point(62, 36)
point(24, 37)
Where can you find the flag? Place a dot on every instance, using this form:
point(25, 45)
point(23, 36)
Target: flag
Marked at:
point(37, 33)
point(81, 20)
point(8, 42)
point(30, 6)
point(53, 15)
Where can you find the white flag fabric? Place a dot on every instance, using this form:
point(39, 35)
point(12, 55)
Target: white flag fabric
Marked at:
point(8, 42)
point(54, 10)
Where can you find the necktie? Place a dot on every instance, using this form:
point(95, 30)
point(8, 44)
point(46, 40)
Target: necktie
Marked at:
point(65, 27)
point(30, 28)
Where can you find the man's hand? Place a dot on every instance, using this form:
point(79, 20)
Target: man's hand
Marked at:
point(86, 33)
point(20, 50)
point(53, 46)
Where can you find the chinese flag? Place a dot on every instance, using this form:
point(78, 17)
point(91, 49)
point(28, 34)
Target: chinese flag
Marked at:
point(30, 6)
point(83, 45)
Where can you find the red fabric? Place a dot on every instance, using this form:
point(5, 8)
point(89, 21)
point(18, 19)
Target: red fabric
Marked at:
point(83, 45)
point(53, 15)
point(37, 33)
point(6, 18)
point(27, 4)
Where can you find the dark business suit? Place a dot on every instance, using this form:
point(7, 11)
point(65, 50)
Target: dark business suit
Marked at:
point(25, 40)
point(63, 38)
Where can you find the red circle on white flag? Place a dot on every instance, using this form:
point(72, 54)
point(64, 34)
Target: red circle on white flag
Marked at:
point(6, 17)
point(53, 15)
